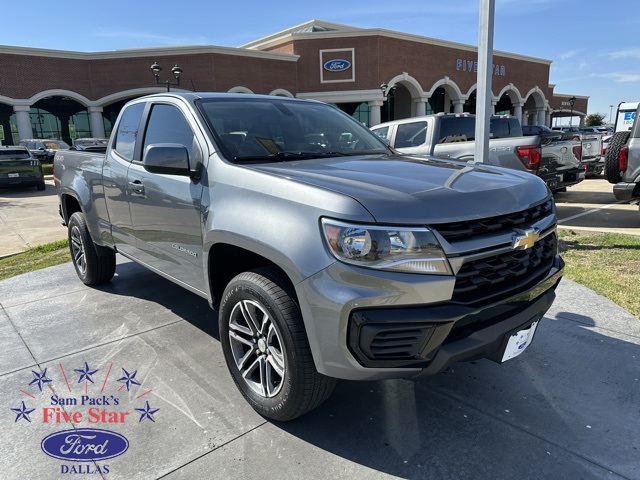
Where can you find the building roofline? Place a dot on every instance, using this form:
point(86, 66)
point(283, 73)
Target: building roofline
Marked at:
point(145, 52)
point(339, 31)
point(568, 95)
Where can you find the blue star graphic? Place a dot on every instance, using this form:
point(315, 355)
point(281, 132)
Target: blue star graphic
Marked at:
point(129, 379)
point(85, 374)
point(39, 378)
point(23, 413)
point(146, 412)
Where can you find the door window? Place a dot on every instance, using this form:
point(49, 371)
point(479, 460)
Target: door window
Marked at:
point(168, 125)
point(411, 134)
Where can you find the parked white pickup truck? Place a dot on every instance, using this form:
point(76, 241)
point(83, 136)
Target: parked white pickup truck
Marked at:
point(554, 159)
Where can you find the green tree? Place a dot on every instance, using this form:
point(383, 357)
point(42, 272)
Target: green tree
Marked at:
point(594, 119)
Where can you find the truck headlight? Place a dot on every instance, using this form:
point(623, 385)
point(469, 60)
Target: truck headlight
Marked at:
point(411, 250)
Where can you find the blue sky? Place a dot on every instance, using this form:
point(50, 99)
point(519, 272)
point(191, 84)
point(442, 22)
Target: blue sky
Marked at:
point(594, 45)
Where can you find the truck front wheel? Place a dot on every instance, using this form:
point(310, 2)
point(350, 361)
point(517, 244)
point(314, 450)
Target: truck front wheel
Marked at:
point(91, 268)
point(611, 164)
point(266, 347)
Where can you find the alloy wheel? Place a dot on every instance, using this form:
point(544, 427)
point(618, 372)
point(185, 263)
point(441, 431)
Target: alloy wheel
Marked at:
point(256, 347)
point(78, 250)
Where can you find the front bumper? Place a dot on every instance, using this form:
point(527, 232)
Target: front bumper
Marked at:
point(366, 327)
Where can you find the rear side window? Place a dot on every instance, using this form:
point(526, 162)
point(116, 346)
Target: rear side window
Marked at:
point(457, 129)
point(505, 128)
point(128, 130)
point(411, 134)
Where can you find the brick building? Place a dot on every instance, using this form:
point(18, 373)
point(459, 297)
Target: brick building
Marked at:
point(373, 74)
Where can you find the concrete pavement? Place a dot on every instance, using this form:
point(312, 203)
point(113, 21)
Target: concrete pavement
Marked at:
point(29, 218)
point(591, 206)
point(566, 408)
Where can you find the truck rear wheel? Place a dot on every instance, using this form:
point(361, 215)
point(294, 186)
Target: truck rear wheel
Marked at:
point(91, 268)
point(611, 165)
point(266, 347)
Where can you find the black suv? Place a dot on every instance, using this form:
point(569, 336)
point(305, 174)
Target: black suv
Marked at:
point(43, 149)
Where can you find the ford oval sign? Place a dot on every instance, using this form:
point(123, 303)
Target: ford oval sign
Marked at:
point(84, 445)
point(337, 65)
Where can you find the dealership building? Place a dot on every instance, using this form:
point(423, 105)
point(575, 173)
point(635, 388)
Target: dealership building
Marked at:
point(373, 74)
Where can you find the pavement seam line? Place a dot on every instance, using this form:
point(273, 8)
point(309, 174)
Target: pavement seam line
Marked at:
point(110, 342)
point(15, 328)
point(527, 432)
point(588, 212)
point(15, 231)
point(214, 449)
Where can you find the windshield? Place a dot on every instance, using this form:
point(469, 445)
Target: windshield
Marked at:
point(265, 129)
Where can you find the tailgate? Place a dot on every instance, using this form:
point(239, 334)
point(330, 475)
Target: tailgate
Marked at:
point(591, 147)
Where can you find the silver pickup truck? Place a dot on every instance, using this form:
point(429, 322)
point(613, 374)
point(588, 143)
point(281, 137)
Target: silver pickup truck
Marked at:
point(452, 135)
point(591, 143)
point(326, 254)
point(623, 163)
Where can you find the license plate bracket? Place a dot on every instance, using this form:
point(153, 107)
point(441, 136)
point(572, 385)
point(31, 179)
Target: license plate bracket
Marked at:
point(519, 341)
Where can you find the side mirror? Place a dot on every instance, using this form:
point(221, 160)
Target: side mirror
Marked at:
point(168, 159)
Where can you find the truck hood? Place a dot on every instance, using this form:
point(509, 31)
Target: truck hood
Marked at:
point(401, 189)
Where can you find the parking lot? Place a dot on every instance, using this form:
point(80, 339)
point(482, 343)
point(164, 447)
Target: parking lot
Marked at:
point(567, 408)
point(29, 218)
point(591, 206)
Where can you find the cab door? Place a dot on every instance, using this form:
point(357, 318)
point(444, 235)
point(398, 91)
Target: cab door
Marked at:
point(166, 210)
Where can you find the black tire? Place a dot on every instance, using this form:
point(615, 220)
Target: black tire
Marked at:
point(278, 377)
point(611, 165)
point(91, 268)
point(41, 186)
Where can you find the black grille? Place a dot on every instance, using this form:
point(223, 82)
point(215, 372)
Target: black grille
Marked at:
point(495, 277)
point(458, 230)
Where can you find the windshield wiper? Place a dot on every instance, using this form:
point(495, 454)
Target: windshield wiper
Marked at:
point(284, 156)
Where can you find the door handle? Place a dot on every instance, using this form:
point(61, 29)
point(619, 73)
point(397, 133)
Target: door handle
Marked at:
point(137, 187)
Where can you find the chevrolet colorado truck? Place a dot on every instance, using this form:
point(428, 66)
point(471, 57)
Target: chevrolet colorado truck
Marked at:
point(327, 255)
point(452, 135)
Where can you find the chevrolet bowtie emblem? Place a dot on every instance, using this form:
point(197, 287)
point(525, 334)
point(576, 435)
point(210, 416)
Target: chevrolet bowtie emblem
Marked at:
point(524, 239)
